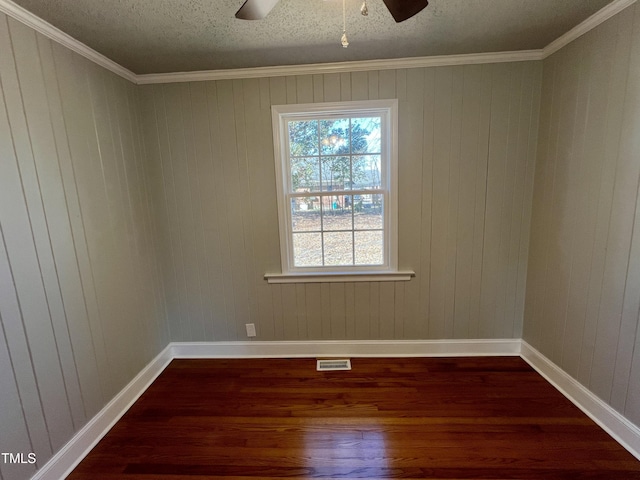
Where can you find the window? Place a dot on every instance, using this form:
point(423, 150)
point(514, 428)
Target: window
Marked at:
point(336, 168)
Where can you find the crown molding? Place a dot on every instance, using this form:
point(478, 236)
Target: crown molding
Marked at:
point(341, 67)
point(45, 28)
point(589, 24)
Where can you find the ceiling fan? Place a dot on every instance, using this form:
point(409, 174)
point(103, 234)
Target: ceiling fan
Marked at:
point(400, 10)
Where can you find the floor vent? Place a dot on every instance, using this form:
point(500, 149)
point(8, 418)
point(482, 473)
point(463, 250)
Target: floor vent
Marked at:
point(338, 364)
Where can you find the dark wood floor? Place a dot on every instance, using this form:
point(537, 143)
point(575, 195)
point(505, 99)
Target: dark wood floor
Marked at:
point(481, 418)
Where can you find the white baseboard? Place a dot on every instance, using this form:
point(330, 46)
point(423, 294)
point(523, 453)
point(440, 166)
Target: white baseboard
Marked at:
point(623, 431)
point(350, 348)
point(616, 425)
point(82, 442)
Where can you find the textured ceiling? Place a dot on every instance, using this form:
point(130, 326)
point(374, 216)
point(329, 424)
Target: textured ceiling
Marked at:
point(158, 36)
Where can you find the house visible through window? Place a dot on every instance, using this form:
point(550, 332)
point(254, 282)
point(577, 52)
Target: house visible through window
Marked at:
point(337, 196)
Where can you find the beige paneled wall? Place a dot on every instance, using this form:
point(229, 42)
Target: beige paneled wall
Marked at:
point(583, 287)
point(81, 302)
point(467, 150)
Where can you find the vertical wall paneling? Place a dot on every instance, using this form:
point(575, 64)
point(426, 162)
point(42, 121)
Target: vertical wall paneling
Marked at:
point(374, 311)
point(254, 162)
point(114, 272)
point(374, 81)
point(527, 205)
point(75, 282)
point(482, 157)
point(195, 198)
point(394, 85)
point(461, 129)
point(623, 147)
point(244, 136)
point(277, 96)
point(155, 176)
point(76, 261)
point(177, 115)
point(223, 320)
point(359, 86)
point(201, 171)
point(88, 218)
point(15, 435)
point(578, 103)
point(325, 299)
point(426, 211)
point(302, 312)
point(582, 296)
point(496, 173)
point(607, 157)
point(411, 133)
point(148, 213)
point(386, 305)
point(152, 291)
point(304, 89)
point(345, 87)
point(50, 223)
point(231, 126)
point(440, 200)
point(472, 75)
point(179, 320)
point(18, 347)
point(338, 311)
point(289, 312)
point(26, 237)
point(318, 89)
point(313, 298)
point(503, 323)
point(629, 324)
point(331, 87)
point(453, 200)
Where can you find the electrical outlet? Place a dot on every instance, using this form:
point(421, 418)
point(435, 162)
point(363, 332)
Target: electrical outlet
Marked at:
point(251, 329)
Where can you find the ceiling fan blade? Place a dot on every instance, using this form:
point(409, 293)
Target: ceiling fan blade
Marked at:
point(255, 9)
point(403, 9)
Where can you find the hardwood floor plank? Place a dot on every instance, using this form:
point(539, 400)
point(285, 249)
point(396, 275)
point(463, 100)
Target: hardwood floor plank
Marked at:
point(410, 418)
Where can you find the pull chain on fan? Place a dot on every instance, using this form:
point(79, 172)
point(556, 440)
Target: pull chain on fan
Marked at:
point(344, 40)
point(364, 10)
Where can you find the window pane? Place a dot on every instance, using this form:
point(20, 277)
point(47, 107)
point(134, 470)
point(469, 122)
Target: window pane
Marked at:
point(365, 135)
point(305, 174)
point(368, 212)
point(336, 173)
point(338, 248)
point(334, 136)
point(305, 214)
point(307, 249)
point(369, 248)
point(303, 138)
point(336, 213)
point(366, 172)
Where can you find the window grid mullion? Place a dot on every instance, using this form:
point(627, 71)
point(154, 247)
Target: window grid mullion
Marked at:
point(321, 202)
point(353, 235)
point(379, 191)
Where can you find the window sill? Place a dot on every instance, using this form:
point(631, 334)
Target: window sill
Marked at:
point(328, 277)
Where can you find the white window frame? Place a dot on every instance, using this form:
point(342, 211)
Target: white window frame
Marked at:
point(388, 111)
